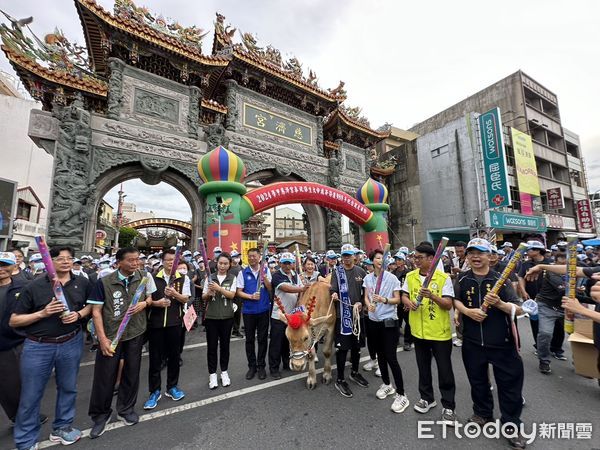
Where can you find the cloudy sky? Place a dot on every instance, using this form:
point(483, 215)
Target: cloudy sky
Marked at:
point(402, 61)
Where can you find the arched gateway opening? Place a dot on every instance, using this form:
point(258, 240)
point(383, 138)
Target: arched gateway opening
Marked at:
point(116, 175)
point(317, 215)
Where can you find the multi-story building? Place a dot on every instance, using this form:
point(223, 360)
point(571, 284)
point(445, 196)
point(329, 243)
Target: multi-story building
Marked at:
point(289, 225)
point(451, 172)
point(27, 223)
point(23, 162)
point(397, 164)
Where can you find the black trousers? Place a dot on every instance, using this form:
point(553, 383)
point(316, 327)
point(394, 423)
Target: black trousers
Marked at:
point(369, 331)
point(508, 373)
point(237, 315)
point(257, 327)
point(218, 336)
point(343, 344)
point(558, 335)
point(386, 342)
point(10, 374)
point(403, 316)
point(442, 352)
point(105, 377)
point(279, 347)
point(163, 344)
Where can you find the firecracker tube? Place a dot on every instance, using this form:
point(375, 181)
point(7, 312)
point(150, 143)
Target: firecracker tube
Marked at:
point(510, 267)
point(51, 271)
point(386, 255)
point(571, 281)
point(136, 298)
point(262, 267)
point(434, 262)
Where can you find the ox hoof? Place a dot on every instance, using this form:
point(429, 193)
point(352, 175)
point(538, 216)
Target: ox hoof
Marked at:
point(311, 384)
point(326, 379)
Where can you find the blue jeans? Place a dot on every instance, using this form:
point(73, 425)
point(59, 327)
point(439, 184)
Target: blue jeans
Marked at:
point(547, 318)
point(37, 361)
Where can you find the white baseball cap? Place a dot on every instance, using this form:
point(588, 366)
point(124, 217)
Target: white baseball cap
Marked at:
point(479, 244)
point(287, 257)
point(8, 258)
point(348, 249)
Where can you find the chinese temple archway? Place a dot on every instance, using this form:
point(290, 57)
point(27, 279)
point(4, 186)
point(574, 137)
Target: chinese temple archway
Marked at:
point(227, 198)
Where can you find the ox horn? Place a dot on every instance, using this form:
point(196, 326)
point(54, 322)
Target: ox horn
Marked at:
point(311, 307)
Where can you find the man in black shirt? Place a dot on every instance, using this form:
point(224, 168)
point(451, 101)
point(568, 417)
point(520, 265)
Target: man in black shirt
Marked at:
point(490, 337)
point(551, 317)
point(354, 276)
point(536, 254)
point(54, 342)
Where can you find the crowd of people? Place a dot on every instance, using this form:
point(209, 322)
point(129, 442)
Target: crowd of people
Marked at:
point(378, 298)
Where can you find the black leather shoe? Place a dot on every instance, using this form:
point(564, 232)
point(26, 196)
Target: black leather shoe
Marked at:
point(276, 375)
point(250, 374)
point(262, 373)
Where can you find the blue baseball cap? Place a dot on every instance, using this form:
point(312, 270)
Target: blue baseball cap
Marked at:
point(348, 249)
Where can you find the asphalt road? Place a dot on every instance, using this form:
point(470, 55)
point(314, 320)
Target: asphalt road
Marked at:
point(277, 414)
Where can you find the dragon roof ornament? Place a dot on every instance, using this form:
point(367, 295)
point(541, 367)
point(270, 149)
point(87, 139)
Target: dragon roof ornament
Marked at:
point(271, 57)
point(127, 10)
point(54, 57)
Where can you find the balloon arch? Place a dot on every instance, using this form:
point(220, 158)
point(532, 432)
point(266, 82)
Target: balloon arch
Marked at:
point(223, 173)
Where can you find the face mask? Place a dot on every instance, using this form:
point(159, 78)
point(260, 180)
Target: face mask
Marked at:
point(183, 271)
point(39, 266)
point(187, 258)
point(76, 272)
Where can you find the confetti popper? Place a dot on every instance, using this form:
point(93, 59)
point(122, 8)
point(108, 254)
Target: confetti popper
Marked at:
point(571, 281)
point(262, 266)
point(136, 298)
point(434, 262)
point(51, 271)
point(386, 255)
point(510, 267)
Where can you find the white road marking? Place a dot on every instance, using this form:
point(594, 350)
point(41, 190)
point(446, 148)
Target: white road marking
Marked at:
point(207, 401)
point(187, 347)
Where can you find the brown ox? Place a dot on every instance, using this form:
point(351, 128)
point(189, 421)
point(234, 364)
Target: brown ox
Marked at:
point(304, 329)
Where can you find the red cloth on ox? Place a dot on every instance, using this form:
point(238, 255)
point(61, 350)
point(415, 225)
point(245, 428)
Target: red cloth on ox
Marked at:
point(295, 320)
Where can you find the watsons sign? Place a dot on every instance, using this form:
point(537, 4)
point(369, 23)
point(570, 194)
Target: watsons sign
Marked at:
point(515, 222)
point(494, 159)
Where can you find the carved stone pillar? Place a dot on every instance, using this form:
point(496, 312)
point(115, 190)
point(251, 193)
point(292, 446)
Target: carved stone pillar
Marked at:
point(320, 145)
point(230, 102)
point(115, 88)
point(194, 111)
point(71, 202)
point(334, 219)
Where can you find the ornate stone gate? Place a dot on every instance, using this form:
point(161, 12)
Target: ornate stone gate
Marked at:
point(147, 103)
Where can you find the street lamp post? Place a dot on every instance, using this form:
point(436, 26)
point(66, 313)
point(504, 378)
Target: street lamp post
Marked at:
point(122, 196)
point(412, 222)
point(219, 206)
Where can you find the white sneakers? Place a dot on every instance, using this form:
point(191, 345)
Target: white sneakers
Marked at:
point(385, 390)
point(372, 364)
point(225, 381)
point(400, 403)
point(378, 372)
point(212, 381)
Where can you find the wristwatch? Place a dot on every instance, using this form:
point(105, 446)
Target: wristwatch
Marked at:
point(386, 300)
